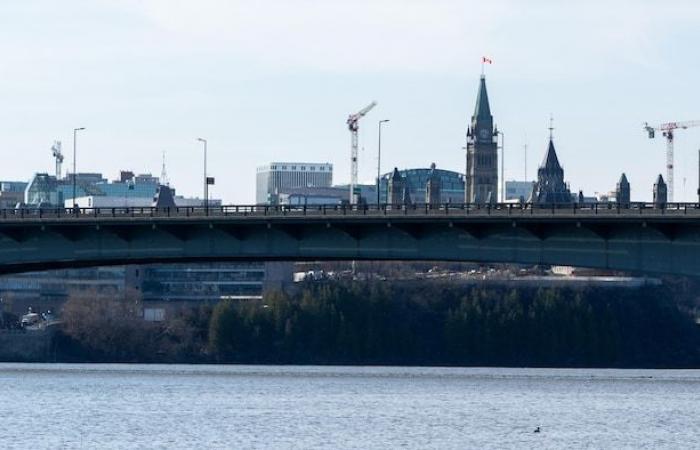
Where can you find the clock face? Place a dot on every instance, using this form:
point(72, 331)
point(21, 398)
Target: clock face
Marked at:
point(484, 134)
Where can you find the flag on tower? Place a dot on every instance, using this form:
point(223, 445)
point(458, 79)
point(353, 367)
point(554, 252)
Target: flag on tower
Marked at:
point(486, 60)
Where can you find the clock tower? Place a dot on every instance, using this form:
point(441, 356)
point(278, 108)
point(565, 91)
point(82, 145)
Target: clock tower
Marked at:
point(481, 183)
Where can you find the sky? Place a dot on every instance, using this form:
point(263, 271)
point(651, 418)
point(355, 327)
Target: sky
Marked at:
point(274, 80)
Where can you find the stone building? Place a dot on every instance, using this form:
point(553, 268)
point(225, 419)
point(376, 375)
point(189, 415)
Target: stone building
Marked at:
point(398, 193)
point(622, 191)
point(660, 192)
point(550, 187)
point(482, 152)
point(433, 195)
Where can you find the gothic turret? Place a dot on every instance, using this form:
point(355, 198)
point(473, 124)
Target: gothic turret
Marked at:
point(432, 188)
point(622, 191)
point(163, 197)
point(396, 188)
point(551, 187)
point(482, 153)
point(660, 192)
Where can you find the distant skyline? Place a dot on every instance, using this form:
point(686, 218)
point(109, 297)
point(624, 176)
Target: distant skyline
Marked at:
point(275, 80)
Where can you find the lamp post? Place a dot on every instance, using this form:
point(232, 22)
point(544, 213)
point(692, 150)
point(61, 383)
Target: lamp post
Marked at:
point(206, 184)
point(75, 135)
point(379, 158)
point(503, 159)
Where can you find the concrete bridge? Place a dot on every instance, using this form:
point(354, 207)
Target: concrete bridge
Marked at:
point(637, 237)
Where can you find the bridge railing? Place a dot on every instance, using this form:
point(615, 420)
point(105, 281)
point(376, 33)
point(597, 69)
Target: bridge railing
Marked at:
point(416, 209)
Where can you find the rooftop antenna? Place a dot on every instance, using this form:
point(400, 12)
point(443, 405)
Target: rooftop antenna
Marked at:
point(58, 156)
point(164, 173)
point(551, 126)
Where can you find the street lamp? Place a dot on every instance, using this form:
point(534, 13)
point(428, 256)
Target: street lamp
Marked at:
point(206, 184)
point(379, 157)
point(75, 135)
point(503, 160)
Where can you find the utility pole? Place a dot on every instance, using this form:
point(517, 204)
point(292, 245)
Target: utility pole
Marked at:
point(75, 135)
point(379, 158)
point(466, 170)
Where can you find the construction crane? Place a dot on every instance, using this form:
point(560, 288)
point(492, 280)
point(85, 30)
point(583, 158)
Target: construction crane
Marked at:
point(354, 125)
point(58, 156)
point(668, 131)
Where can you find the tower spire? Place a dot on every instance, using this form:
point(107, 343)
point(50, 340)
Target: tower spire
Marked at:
point(482, 109)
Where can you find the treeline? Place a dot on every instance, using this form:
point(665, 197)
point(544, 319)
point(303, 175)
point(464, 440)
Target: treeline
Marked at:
point(385, 323)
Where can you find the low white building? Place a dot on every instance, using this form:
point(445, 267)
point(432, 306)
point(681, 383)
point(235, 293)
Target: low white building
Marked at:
point(103, 201)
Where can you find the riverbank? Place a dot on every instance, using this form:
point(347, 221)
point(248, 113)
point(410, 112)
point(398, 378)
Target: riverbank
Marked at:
point(379, 323)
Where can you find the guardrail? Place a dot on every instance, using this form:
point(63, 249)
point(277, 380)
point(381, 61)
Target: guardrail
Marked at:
point(450, 209)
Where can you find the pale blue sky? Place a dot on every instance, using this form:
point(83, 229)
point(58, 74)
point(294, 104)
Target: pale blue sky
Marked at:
point(275, 80)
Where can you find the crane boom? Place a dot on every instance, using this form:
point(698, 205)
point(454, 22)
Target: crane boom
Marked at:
point(673, 125)
point(354, 126)
point(667, 130)
point(58, 156)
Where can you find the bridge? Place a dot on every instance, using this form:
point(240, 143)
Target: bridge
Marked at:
point(638, 237)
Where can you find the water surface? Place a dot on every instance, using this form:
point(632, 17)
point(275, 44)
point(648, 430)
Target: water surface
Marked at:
point(180, 406)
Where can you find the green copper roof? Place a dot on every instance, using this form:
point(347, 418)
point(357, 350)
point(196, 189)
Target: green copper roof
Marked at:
point(482, 109)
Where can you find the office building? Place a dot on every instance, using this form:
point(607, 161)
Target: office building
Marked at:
point(43, 291)
point(42, 190)
point(128, 201)
point(311, 196)
point(278, 176)
point(519, 190)
point(11, 193)
point(451, 185)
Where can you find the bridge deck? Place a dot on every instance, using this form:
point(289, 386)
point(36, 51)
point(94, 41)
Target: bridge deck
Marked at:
point(638, 237)
point(605, 211)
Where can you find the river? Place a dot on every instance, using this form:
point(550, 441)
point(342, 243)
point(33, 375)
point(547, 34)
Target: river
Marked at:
point(182, 406)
